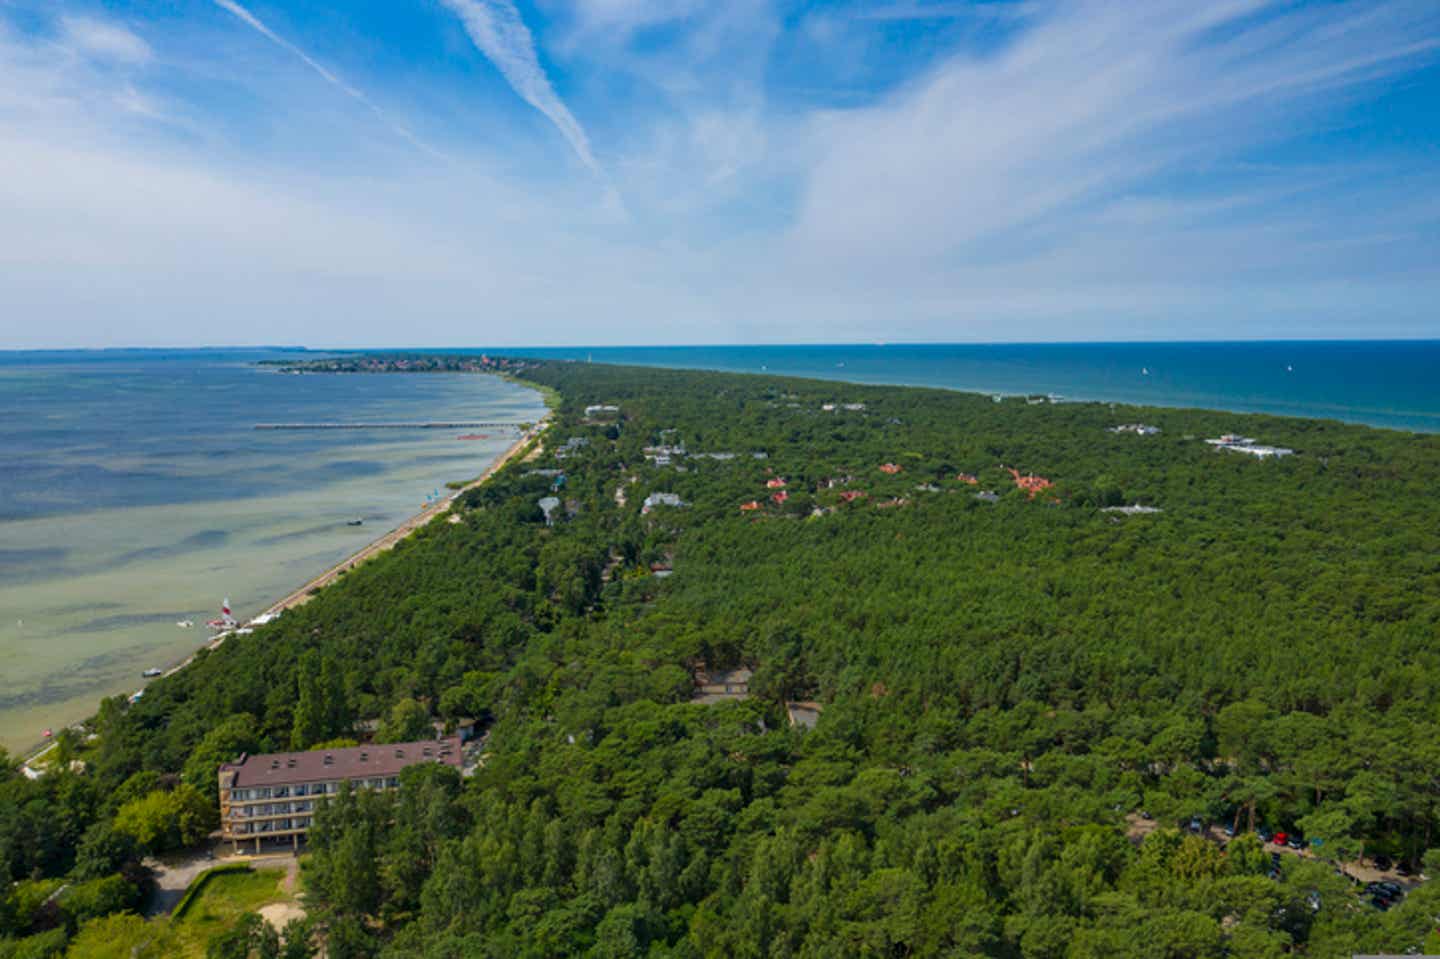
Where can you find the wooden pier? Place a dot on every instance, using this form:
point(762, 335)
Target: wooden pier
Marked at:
point(458, 425)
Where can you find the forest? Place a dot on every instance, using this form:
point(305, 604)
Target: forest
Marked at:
point(1040, 725)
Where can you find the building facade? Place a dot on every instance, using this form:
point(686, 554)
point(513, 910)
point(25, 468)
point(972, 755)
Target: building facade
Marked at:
point(274, 796)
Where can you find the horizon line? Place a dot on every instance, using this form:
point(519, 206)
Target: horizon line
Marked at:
point(710, 346)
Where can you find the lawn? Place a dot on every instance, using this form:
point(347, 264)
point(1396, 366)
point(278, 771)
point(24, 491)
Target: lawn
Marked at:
point(224, 899)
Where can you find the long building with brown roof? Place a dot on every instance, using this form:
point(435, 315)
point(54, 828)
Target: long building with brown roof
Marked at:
point(273, 796)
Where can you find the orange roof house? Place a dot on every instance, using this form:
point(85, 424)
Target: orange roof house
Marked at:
point(780, 497)
point(776, 483)
point(851, 495)
point(747, 507)
point(1031, 484)
point(970, 478)
point(891, 468)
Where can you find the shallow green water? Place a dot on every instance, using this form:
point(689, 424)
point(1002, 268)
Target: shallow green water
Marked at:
point(137, 494)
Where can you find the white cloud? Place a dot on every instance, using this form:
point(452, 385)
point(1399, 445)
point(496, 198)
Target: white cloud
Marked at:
point(103, 40)
point(1104, 172)
point(1095, 100)
point(500, 33)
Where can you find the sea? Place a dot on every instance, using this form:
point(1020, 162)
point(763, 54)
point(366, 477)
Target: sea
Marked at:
point(136, 494)
point(1393, 384)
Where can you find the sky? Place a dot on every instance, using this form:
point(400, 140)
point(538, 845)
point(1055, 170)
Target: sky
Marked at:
point(372, 173)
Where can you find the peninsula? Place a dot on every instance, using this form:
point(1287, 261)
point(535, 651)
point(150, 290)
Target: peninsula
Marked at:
point(761, 666)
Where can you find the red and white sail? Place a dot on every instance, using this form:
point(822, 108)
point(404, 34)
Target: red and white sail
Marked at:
point(226, 620)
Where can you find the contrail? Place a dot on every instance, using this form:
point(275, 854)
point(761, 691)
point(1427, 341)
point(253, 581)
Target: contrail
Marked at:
point(400, 130)
point(499, 32)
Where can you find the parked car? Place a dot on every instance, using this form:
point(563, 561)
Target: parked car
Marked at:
point(1229, 830)
point(1382, 863)
point(1281, 837)
point(1295, 842)
point(1196, 826)
point(1263, 833)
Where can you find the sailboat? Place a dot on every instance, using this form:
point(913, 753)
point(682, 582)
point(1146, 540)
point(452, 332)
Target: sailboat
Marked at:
point(226, 619)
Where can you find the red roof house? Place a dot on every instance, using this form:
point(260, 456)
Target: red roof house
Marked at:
point(1031, 484)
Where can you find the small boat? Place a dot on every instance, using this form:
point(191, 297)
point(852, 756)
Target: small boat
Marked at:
point(185, 623)
point(355, 522)
point(225, 621)
point(152, 672)
point(1144, 371)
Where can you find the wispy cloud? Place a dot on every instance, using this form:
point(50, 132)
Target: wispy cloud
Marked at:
point(1091, 169)
point(104, 40)
point(500, 33)
point(329, 76)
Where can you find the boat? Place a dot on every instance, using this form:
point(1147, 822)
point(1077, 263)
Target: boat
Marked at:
point(225, 621)
point(355, 522)
point(152, 672)
point(185, 623)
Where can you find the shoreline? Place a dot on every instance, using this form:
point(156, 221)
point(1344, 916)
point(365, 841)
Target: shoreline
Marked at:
point(301, 595)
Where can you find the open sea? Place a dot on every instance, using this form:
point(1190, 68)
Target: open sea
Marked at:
point(136, 494)
point(1394, 384)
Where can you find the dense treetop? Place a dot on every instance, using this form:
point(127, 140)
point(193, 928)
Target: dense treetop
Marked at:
point(1004, 687)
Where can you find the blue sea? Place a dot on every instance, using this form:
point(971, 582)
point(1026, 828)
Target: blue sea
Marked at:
point(136, 494)
point(1393, 384)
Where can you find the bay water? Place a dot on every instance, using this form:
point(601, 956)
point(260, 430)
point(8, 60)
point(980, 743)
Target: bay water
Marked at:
point(136, 494)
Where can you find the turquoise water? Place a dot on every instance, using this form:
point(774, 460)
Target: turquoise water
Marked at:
point(137, 494)
point(1392, 384)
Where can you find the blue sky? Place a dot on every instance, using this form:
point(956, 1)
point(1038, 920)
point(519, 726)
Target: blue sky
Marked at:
point(489, 172)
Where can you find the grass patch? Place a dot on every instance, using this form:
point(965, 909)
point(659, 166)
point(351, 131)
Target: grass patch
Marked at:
point(220, 902)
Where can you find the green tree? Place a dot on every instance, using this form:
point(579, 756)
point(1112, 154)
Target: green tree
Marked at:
point(166, 820)
point(224, 743)
point(408, 721)
point(121, 936)
point(103, 850)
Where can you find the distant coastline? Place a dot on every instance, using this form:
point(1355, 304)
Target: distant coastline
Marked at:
point(1387, 384)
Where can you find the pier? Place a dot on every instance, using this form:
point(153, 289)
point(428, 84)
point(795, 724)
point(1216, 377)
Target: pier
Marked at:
point(458, 425)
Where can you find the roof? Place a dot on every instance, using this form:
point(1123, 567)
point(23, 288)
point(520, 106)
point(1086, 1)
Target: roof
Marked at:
point(354, 762)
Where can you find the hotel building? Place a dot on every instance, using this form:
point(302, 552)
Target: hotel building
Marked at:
point(273, 796)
